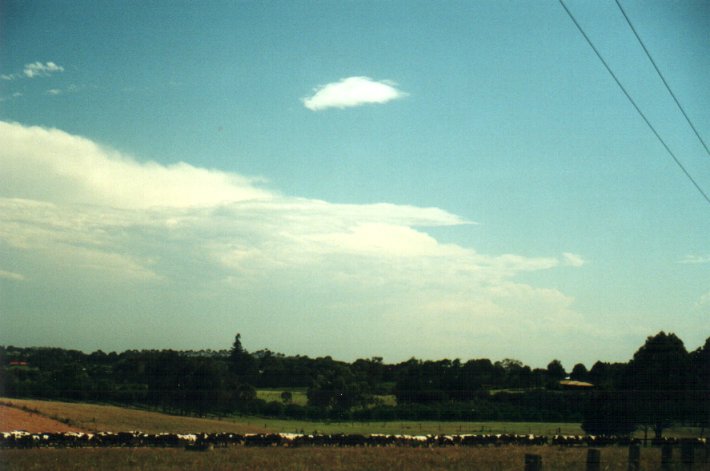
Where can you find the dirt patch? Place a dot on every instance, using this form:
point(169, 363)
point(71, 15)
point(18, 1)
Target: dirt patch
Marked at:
point(16, 419)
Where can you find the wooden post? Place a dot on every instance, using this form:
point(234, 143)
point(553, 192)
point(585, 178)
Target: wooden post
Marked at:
point(533, 462)
point(634, 458)
point(594, 460)
point(687, 455)
point(666, 457)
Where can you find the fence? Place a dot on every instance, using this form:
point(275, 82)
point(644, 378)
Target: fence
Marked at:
point(691, 457)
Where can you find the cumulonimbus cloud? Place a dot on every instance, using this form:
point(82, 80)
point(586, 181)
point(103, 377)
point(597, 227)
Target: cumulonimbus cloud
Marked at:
point(69, 204)
point(352, 91)
point(75, 169)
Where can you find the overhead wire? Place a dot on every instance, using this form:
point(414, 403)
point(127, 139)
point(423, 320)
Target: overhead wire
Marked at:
point(663, 79)
point(631, 100)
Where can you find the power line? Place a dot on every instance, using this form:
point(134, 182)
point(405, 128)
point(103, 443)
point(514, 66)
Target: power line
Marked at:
point(638, 110)
point(690, 123)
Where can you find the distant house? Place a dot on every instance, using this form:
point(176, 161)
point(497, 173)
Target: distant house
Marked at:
point(572, 384)
point(18, 363)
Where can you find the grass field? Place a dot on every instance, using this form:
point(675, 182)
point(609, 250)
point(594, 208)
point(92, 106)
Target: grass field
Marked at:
point(91, 417)
point(101, 417)
point(298, 396)
point(111, 418)
point(507, 458)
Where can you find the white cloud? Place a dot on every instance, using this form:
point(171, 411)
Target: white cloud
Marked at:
point(34, 70)
point(38, 69)
point(695, 259)
point(69, 204)
point(8, 275)
point(10, 97)
point(573, 260)
point(378, 239)
point(75, 169)
point(352, 91)
point(54, 91)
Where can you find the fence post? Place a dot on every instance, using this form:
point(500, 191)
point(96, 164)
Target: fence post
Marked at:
point(533, 462)
point(666, 457)
point(593, 460)
point(687, 455)
point(634, 458)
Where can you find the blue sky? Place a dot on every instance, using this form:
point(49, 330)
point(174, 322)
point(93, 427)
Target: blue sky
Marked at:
point(459, 179)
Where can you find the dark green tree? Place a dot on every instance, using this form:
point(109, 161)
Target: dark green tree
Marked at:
point(338, 389)
point(609, 413)
point(286, 397)
point(699, 405)
point(421, 382)
point(241, 363)
point(657, 378)
point(579, 373)
point(555, 373)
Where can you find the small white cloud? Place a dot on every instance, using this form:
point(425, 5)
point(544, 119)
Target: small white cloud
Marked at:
point(352, 91)
point(573, 260)
point(8, 275)
point(11, 97)
point(54, 91)
point(695, 259)
point(35, 69)
point(38, 69)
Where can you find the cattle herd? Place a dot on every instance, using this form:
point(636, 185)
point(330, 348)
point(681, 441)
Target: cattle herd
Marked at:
point(207, 441)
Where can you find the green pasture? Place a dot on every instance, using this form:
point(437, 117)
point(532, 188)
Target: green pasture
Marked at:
point(404, 427)
point(298, 395)
point(410, 427)
point(300, 398)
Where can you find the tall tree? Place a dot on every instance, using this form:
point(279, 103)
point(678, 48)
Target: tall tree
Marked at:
point(555, 372)
point(609, 413)
point(699, 407)
point(658, 376)
point(579, 373)
point(241, 363)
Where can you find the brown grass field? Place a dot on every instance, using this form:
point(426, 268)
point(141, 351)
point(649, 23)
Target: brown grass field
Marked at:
point(92, 417)
point(506, 458)
point(16, 419)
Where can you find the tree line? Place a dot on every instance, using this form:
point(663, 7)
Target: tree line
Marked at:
point(662, 384)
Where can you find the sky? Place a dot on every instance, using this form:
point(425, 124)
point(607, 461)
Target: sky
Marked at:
point(398, 179)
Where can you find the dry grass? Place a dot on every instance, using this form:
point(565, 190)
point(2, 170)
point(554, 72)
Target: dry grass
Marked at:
point(94, 417)
point(336, 459)
point(16, 419)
